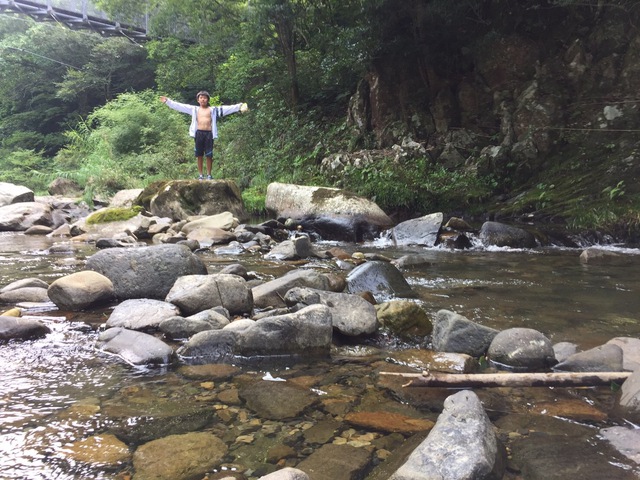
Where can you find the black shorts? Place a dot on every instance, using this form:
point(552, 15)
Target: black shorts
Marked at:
point(204, 143)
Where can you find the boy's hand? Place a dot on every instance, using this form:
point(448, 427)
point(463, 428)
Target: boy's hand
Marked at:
point(163, 99)
point(244, 108)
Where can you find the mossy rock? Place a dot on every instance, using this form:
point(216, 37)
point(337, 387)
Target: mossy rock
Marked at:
point(113, 214)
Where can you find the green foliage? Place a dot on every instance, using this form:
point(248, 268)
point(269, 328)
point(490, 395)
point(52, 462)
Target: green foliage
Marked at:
point(24, 167)
point(128, 143)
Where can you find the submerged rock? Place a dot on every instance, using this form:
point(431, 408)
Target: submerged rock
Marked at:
point(136, 348)
point(15, 328)
point(605, 358)
point(454, 333)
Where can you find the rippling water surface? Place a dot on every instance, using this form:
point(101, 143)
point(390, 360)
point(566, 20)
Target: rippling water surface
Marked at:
point(55, 391)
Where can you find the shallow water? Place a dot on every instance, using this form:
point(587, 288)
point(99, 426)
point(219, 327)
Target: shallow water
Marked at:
point(58, 390)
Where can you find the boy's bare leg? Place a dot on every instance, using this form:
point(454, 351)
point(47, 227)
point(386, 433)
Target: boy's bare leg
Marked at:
point(209, 165)
point(200, 165)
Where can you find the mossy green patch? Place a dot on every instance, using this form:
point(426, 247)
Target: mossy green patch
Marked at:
point(114, 214)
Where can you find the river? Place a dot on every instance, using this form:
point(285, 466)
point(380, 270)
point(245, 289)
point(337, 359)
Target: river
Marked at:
point(58, 390)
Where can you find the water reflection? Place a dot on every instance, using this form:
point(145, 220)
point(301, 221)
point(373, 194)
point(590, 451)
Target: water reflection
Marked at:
point(58, 391)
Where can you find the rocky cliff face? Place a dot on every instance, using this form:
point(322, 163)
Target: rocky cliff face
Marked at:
point(511, 89)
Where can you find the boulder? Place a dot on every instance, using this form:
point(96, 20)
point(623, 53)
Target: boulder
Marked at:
point(15, 328)
point(179, 327)
point(25, 282)
point(286, 473)
point(191, 456)
point(271, 294)
point(604, 358)
point(99, 451)
point(64, 187)
point(501, 235)
point(382, 279)
point(80, 290)
point(180, 199)
point(631, 351)
point(306, 332)
point(294, 249)
point(145, 272)
point(18, 217)
point(332, 213)
point(141, 314)
point(454, 333)
point(224, 221)
point(523, 349)
point(628, 403)
point(25, 294)
point(336, 462)
point(10, 193)
point(277, 400)
point(195, 293)
point(125, 198)
point(351, 315)
point(136, 348)
point(600, 256)
point(418, 231)
point(563, 350)
point(38, 230)
point(461, 445)
point(404, 318)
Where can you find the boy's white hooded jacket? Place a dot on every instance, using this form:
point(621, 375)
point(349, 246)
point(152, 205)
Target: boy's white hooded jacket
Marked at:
point(192, 110)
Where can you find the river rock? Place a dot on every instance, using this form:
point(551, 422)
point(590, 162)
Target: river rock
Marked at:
point(429, 360)
point(191, 456)
point(141, 314)
point(25, 294)
point(64, 187)
point(25, 282)
point(332, 213)
point(631, 352)
point(179, 327)
point(277, 400)
point(501, 235)
point(454, 333)
point(81, 290)
point(271, 294)
point(563, 350)
point(294, 249)
point(99, 451)
point(11, 193)
point(625, 440)
point(388, 422)
point(411, 260)
point(211, 236)
point(38, 230)
point(125, 198)
point(195, 293)
point(404, 318)
point(600, 256)
point(15, 328)
point(521, 349)
point(306, 332)
point(382, 279)
point(351, 315)
point(461, 445)
point(287, 473)
point(629, 402)
point(418, 231)
point(223, 221)
point(18, 217)
point(336, 462)
point(137, 348)
point(605, 358)
point(181, 199)
point(145, 272)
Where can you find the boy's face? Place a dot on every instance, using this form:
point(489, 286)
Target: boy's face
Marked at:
point(203, 100)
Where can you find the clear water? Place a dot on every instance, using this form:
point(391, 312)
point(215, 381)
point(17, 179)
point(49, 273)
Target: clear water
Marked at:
point(56, 391)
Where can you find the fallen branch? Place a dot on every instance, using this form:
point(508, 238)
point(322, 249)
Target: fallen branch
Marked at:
point(508, 379)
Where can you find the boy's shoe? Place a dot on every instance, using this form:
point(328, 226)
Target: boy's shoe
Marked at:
point(209, 177)
point(200, 177)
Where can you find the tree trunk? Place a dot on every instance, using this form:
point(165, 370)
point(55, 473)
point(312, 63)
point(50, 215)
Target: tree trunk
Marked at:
point(555, 379)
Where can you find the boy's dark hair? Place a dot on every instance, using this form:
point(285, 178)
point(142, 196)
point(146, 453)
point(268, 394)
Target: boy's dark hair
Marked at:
point(205, 93)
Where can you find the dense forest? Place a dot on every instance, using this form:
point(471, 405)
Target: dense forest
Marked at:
point(526, 111)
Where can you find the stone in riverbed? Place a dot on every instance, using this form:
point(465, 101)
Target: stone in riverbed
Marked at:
point(418, 231)
point(81, 290)
point(287, 473)
point(388, 422)
point(382, 279)
point(336, 462)
point(25, 294)
point(99, 451)
point(628, 405)
point(454, 333)
point(604, 358)
point(277, 400)
point(13, 328)
point(141, 314)
point(522, 349)
point(195, 293)
point(190, 456)
point(404, 318)
point(502, 235)
point(271, 294)
point(631, 352)
point(136, 348)
point(461, 445)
